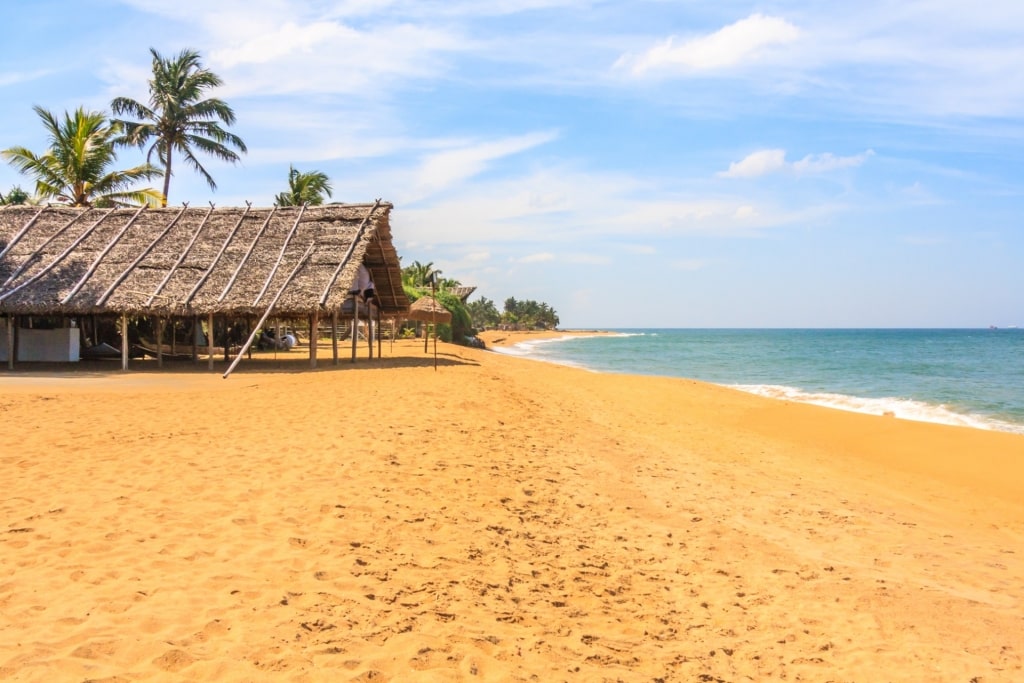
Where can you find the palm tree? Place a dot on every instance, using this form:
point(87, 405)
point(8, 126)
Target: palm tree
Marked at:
point(15, 195)
point(304, 188)
point(418, 274)
point(178, 119)
point(74, 169)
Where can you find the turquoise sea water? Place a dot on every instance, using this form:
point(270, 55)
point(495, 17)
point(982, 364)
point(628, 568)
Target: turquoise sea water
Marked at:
point(965, 377)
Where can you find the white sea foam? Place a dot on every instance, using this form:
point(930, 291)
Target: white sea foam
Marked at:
point(903, 408)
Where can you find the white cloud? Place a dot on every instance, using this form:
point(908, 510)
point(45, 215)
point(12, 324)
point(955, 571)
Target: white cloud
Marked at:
point(12, 78)
point(449, 167)
point(745, 41)
point(540, 257)
point(283, 40)
point(917, 194)
point(767, 161)
point(757, 164)
point(822, 163)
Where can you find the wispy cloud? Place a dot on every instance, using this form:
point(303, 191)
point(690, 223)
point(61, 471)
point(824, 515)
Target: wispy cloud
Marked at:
point(756, 164)
point(766, 161)
point(541, 257)
point(12, 77)
point(823, 163)
point(449, 167)
point(742, 42)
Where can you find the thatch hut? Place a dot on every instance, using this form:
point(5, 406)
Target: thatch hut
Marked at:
point(428, 309)
point(462, 291)
point(242, 263)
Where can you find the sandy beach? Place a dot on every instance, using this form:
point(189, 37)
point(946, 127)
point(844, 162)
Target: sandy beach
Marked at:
point(495, 519)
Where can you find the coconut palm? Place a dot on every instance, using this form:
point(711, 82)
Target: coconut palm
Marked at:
point(304, 188)
point(418, 274)
point(15, 195)
point(177, 119)
point(74, 170)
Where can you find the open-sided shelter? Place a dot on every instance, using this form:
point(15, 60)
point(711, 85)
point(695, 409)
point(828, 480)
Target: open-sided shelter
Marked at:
point(240, 263)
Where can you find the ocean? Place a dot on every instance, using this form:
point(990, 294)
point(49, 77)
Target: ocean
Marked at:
point(966, 377)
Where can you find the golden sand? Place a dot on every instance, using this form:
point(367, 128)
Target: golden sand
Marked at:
point(497, 519)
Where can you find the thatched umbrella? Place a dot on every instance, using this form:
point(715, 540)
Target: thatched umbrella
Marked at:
point(429, 310)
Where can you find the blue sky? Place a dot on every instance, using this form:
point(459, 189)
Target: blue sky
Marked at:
point(795, 163)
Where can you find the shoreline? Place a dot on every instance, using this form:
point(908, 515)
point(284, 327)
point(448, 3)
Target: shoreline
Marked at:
point(914, 410)
point(496, 520)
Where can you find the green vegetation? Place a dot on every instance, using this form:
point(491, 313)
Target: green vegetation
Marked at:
point(304, 188)
point(418, 275)
point(75, 169)
point(484, 313)
point(529, 314)
point(467, 318)
point(178, 119)
point(15, 195)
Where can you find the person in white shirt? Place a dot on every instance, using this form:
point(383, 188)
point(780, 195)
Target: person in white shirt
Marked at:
point(363, 284)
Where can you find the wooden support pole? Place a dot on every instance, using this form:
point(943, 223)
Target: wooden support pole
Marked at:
point(369, 328)
point(195, 344)
point(209, 340)
point(159, 342)
point(380, 344)
point(314, 333)
point(10, 342)
point(124, 341)
point(355, 326)
point(334, 334)
point(259, 325)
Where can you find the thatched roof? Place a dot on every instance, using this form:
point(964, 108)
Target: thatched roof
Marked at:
point(427, 309)
point(462, 291)
point(189, 261)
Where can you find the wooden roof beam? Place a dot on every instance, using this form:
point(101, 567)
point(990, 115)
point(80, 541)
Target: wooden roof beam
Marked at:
point(92, 268)
point(25, 264)
point(181, 258)
point(280, 257)
point(145, 252)
point(248, 253)
point(21, 233)
point(63, 255)
point(256, 328)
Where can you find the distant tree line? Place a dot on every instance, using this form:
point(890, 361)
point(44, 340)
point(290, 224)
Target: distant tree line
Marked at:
point(524, 315)
point(422, 279)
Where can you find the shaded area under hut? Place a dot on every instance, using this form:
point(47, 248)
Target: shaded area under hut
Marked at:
point(75, 281)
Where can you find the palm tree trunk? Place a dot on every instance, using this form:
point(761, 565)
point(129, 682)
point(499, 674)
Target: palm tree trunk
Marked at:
point(167, 177)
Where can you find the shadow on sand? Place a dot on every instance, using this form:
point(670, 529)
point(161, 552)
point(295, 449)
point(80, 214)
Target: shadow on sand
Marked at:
point(294, 363)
